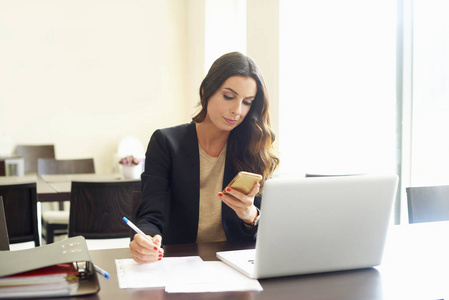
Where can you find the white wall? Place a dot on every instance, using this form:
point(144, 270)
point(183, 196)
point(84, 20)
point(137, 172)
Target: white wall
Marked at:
point(263, 46)
point(83, 74)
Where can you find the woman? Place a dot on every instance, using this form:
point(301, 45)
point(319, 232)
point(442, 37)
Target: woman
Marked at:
point(187, 166)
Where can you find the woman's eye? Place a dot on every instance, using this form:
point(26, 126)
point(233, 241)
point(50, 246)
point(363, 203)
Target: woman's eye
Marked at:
point(228, 97)
point(247, 103)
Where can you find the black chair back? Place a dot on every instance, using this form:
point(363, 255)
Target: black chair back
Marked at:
point(4, 240)
point(50, 228)
point(97, 208)
point(31, 153)
point(20, 204)
point(2, 167)
point(65, 166)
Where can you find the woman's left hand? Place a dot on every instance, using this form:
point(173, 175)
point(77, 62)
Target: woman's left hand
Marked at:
point(242, 204)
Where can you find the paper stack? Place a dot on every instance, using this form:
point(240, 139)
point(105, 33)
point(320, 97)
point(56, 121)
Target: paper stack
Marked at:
point(57, 280)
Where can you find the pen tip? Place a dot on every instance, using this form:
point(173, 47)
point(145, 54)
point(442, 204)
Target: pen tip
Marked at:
point(125, 219)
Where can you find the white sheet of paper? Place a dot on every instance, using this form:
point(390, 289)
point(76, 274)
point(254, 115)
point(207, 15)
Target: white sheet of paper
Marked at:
point(215, 276)
point(133, 275)
point(183, 275)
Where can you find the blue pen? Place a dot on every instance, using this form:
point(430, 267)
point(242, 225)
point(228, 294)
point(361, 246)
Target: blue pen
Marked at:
point(101, 271)
point(136, 229)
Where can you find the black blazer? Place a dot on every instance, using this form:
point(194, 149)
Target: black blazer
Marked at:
point(170, 189)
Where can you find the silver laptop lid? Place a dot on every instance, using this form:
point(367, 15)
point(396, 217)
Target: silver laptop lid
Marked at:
point(321, 224)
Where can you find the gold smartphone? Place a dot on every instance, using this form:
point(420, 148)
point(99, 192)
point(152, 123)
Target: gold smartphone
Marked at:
point(244, 182)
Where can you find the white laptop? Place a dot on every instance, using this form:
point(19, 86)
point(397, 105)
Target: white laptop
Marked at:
point(319, 224)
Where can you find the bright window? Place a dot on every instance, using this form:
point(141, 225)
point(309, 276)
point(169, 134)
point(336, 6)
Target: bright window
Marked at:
point(337, 86)
point(430, 117)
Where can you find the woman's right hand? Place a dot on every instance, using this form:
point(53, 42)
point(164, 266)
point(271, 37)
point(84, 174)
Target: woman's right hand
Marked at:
point(144, 251)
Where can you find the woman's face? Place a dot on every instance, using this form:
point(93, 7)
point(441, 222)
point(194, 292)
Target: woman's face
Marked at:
point(230, 104)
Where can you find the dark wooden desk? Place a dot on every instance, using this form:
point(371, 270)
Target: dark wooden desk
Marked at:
point(324, 286)
point(416, 266)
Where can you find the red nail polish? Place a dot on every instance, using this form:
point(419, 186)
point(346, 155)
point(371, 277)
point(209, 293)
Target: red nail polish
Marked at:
point(155, 248)
point(220, 194)
point(159, 258)
point(228, 189)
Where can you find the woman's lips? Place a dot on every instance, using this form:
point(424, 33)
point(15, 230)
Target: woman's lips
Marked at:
point(230, 121)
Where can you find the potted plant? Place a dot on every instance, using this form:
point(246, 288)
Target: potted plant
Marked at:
point(131, 167)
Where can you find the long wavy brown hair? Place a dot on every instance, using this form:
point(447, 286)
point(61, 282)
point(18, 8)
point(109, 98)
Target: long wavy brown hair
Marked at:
point(251, 144)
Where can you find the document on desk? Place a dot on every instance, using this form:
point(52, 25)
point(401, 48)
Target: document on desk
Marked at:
point(133, 275)
point(183, 275)
point(215, 276)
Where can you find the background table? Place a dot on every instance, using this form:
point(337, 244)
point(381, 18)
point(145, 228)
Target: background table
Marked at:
point(51, 188)
point(57, 187)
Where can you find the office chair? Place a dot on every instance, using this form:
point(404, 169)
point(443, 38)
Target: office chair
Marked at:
point(57, 222)
point(20, 201)
point(65, 166)
point(97, 208)
point(31, 153)
point(428, 203)
point(4, 240)
point(2, 167)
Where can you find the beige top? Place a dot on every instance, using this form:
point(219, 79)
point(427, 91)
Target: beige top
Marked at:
point(210, 227)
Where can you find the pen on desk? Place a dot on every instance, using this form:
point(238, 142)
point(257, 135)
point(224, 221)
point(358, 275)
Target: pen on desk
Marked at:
point(136, 229)
point(101, 271)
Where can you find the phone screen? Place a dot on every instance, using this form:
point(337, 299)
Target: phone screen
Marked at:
point(244, 181)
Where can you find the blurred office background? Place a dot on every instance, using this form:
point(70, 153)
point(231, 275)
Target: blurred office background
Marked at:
point(356, 86)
